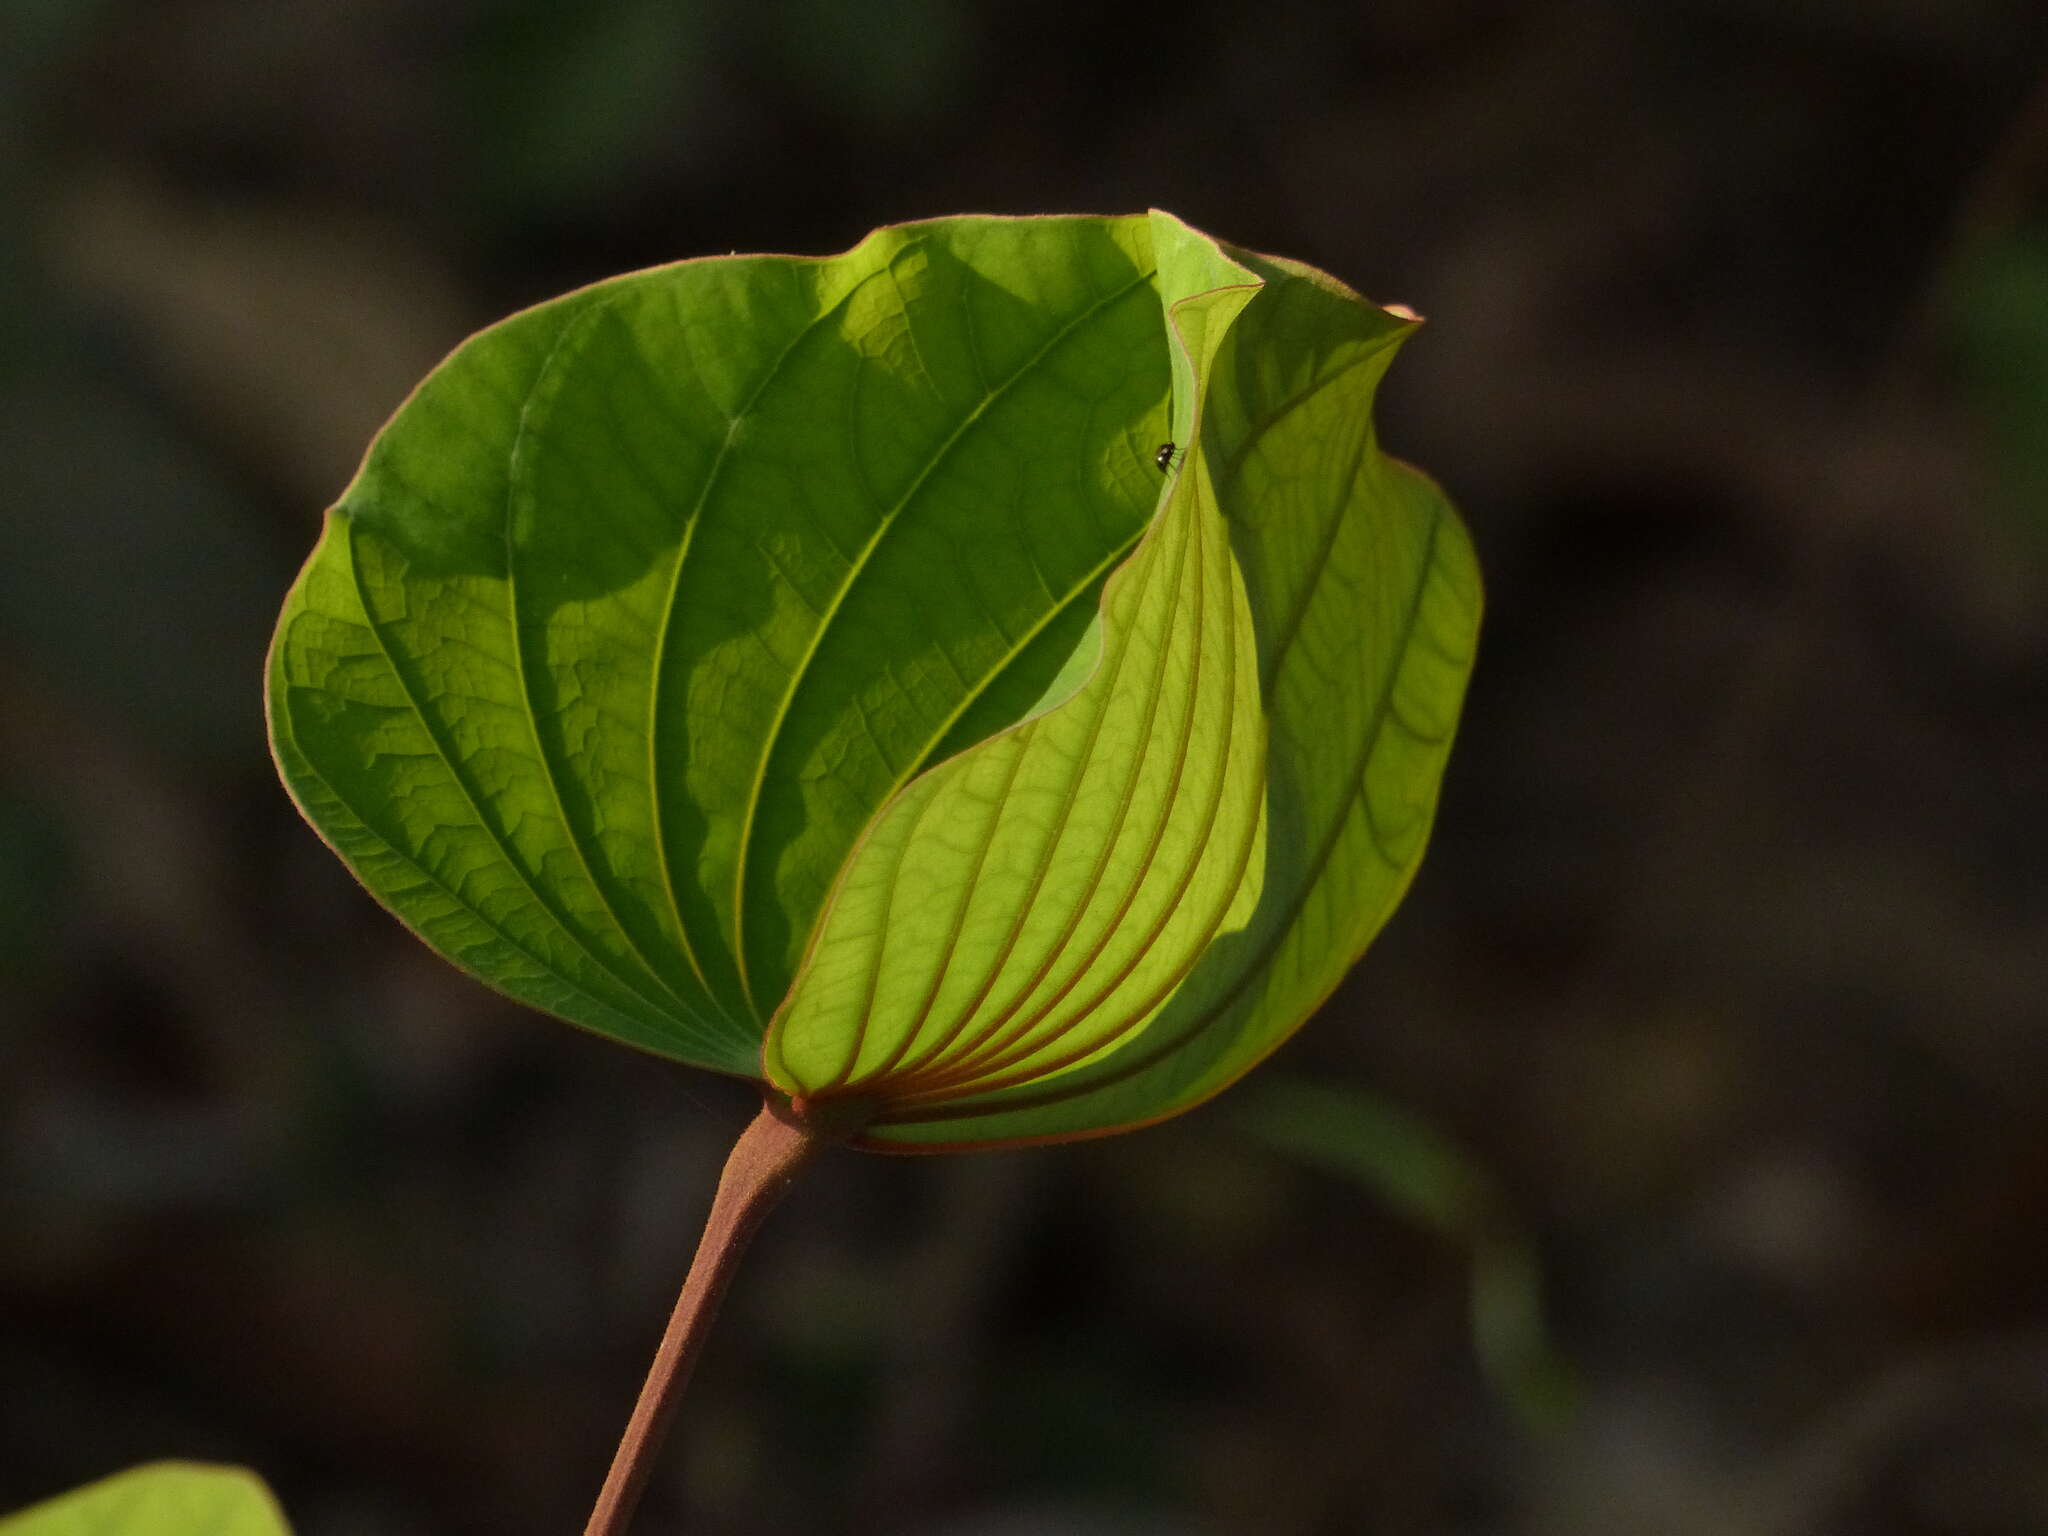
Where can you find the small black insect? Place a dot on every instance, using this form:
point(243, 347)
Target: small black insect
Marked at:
point(1164, 457)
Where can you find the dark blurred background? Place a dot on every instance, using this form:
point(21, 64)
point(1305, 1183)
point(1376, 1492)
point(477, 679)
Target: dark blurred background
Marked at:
point(1719, 1005)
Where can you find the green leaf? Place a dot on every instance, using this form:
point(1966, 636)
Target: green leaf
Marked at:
point(730, 649)
point(165, 1498)
point(1032, 901)
point(650, 597)
point(1363, 601)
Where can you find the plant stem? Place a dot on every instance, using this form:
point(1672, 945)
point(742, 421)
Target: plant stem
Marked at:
point(764, 1161)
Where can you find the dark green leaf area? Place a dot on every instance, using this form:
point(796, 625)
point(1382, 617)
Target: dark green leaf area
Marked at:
point(651, 597)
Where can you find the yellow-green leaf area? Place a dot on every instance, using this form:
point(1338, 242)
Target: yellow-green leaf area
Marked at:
point(1030, 903)
point(162, 1499)
point(1363, 601)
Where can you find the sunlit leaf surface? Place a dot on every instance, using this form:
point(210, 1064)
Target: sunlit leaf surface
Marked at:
point(728, 656)
point(166, 1498)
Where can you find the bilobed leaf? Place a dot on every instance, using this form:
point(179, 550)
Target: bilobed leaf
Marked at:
point(727, 658)
point(166, 1498)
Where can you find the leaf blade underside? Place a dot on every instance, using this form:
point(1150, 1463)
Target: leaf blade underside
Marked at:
point(799, 667)
point(1029, 903)
point(1365, 602)
point(652, 595)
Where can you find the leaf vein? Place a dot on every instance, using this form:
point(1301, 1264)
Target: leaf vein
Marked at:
point(1257, 968)
point(658, 666)
point(523, 673)
point(997, 1036)
point(862, 562)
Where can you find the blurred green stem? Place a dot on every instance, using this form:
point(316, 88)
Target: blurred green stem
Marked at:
point(764, 1161)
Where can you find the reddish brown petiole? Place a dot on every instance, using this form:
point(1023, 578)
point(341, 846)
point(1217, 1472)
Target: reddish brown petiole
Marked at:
point(764, 1161)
